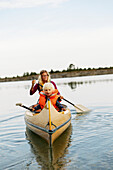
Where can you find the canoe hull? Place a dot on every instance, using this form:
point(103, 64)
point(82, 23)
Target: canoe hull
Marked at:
point(39, 124)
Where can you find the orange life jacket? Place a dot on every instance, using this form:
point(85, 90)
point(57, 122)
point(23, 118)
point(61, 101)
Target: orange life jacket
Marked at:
point(53, 98)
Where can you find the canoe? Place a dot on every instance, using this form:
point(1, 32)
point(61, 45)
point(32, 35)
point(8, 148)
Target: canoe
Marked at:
point(49, 123)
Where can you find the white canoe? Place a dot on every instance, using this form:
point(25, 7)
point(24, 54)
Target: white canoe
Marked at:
point(49, 123)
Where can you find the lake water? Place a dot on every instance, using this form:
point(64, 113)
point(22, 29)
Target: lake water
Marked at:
point(87, 144)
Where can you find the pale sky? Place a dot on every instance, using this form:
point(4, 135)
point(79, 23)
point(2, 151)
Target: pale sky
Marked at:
point(52, 34)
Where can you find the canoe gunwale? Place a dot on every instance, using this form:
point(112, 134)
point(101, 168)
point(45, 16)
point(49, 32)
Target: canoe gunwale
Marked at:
point(48, 131)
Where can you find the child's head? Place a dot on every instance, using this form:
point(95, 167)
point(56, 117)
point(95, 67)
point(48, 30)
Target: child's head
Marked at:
point(48, 89)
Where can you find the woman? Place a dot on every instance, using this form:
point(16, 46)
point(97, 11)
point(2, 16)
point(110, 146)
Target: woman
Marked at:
point(44, 77)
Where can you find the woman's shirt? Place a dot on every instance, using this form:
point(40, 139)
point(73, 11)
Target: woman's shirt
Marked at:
point(37, 87)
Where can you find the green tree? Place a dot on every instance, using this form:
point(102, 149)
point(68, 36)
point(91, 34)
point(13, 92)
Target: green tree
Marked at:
point(71, 67)
point(26, 74)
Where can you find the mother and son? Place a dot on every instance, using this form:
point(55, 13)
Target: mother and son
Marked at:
point(47, 89)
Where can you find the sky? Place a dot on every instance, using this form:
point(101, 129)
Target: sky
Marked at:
point(52, 34)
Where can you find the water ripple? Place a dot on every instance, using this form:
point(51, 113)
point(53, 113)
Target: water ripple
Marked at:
point(10, 118)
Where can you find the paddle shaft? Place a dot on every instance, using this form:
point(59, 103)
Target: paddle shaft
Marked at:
point(26, 108)
point(72, 104)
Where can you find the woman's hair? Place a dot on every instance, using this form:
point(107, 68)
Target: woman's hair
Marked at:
point(48, 86)
point(40, 76)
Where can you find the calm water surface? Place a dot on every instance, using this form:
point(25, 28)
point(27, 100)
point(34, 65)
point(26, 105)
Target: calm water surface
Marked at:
point(87, 144)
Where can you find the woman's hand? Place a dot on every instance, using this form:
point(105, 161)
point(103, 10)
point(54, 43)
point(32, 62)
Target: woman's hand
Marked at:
point(33, 82)
point(61, 97)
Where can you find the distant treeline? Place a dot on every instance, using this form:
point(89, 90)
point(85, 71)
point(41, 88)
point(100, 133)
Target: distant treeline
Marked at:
point(71, 68)
point(79, 69)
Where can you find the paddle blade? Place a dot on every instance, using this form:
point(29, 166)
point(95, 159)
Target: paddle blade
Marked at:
point(18, 104)
point(80, 108)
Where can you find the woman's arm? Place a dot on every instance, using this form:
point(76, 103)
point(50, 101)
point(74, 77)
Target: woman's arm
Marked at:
point(33, 89)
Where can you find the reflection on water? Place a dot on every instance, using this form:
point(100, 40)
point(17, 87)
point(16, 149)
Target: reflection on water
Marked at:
point(81, 115)
point(75, 84)
point(46, 157)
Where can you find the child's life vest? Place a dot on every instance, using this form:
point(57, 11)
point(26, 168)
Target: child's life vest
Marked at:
point(53, 98)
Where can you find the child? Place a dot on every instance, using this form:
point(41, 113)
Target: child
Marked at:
point(49, 92)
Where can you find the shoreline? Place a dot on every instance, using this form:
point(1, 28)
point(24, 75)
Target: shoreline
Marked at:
point(66, 74)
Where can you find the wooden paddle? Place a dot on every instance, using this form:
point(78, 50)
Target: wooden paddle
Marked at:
point(79, 108)
point(21, 105)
